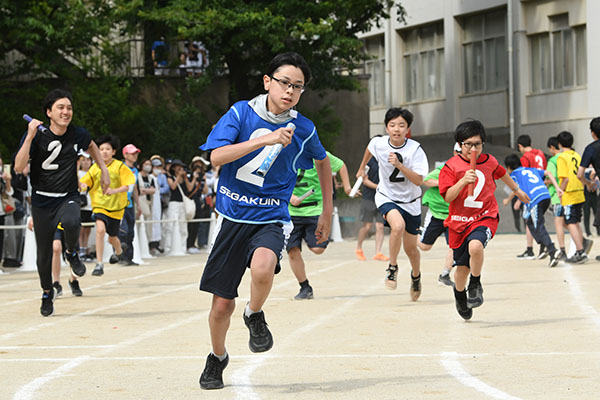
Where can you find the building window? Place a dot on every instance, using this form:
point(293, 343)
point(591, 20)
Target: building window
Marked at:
point(484, 52)
point(375, 67)
point(424, 62)
point(558, 57)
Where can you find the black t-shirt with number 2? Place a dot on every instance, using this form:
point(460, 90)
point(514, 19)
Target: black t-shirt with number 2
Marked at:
point(54, 163)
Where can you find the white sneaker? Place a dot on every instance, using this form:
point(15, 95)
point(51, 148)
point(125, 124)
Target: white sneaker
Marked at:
point(193, 250)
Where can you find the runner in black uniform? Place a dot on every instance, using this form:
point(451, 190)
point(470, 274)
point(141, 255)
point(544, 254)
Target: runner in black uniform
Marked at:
point(53, 175)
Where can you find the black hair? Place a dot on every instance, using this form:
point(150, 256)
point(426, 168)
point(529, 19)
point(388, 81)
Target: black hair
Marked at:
point(565, 139)
point(396, 112)
point(595, 126)
point(512, 161)
point(289, 58)
point(468, 129)
point(54, 95)
point(524, 140)
point(112, 140)
point(552, 142)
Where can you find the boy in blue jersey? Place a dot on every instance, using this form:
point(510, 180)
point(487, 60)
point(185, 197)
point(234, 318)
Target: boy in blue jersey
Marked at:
point(531, 181)
point(254, 222)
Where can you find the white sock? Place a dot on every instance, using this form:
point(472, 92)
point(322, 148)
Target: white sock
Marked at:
point(445, 272)
point(248, 312)
point(221, 357)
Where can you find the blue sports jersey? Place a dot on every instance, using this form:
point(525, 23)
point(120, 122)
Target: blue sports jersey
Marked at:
point(531, 181)
point(243, 195)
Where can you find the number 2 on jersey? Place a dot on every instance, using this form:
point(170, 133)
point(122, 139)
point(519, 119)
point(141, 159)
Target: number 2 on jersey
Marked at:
point(470, 200)
point(394, 175)
point(55, 147)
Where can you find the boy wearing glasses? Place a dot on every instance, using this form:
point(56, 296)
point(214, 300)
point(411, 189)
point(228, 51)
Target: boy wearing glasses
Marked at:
point(402, 167)
point(254, 222)
point(473, 217)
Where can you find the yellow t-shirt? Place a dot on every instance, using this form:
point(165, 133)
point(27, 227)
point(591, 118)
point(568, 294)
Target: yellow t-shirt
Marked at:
point(112, 205)
point(567, 164)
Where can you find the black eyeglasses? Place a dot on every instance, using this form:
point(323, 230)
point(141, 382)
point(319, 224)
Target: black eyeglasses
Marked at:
point(285, 84)
point(470, 145)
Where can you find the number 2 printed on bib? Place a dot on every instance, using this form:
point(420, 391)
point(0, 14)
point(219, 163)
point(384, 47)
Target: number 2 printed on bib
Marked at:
point(471, 201)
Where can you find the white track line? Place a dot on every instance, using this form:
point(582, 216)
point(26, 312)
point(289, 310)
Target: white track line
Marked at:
point(240, 379)
point(578, 295)
point(455, 368)
point(28, 390)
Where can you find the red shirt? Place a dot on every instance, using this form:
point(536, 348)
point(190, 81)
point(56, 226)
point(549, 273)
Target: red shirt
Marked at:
point(534, 158)
point(468, 212)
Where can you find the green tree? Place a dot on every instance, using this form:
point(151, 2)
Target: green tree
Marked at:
point(242, 36)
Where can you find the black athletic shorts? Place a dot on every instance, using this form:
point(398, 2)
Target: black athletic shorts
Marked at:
point(304, 228)
point(232, 252)
point(573, 213)
point(112, 225)
point(86, 216)
point(461, 254)
point(434, 228)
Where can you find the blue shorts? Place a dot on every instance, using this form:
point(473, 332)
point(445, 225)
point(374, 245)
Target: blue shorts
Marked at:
point(573, 213)
point(112, 225)
point(304, 228)
point(232, 253)
point(461, 255)
point(413, 222)
point(434, 228)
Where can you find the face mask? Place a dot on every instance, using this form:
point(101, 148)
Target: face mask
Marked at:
point(156, 171)
point(147, 168)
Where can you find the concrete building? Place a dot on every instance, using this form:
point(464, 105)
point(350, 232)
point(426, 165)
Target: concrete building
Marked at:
point(520, 66)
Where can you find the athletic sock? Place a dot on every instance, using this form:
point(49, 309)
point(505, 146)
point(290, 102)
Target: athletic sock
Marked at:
point(248, 312)
point(529, 249)
point(445, 272)
point(475, 280)
point(304, 284)
point(460, 296)
point(415, 278)
point(220, 357)
point(563, 250)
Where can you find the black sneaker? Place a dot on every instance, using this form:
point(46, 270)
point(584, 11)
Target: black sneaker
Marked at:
point(526, 255)
point(474, 295)
point(47, 308)
point(587, 245)
point(115, 258)
point(128, 263)
point(58, 288)
point(543, 253)
point(212, 376)
point(305, 293)
point(463, 310)
point(390, 279)
point(415, 287)
point(578, 258)
point(75, 289)
point(563, 256)
point(99, 270)
point(554, 258)
point(77, 266)
point(445, 280)
point(260, 336)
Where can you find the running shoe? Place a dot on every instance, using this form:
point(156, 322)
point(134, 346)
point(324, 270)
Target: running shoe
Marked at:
point(543, 252)
point(381, 257)
point(77, 266)
point(75, 289)
point(415, 287)
point(360, 255)
point(305, 293)
point(526, 255)
point(445, 279)
point(554, 258)
point(260, 337)
point(115, 258)
point(587, 245)
point(390, 279)
point(474, 295)
point(99, 270)
point(578, 258)
point(212, 376)
point(58, 288)
point(463, 310)
point(47, 308)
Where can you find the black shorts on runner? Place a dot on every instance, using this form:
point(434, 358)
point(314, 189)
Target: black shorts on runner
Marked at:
point(112, 225)
point(461, 255)
point(434, 228)
point(573, 213)
point(86, 216)
point(304, 228)
point(232, 253)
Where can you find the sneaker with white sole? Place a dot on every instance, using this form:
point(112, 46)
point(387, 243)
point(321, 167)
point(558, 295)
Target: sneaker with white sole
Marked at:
point(47, 308)
point(390, 279)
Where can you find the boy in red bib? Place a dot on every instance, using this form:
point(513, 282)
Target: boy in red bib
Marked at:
point(473, 217)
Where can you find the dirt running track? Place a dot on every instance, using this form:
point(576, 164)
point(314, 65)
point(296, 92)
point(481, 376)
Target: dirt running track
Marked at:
point(142, 333)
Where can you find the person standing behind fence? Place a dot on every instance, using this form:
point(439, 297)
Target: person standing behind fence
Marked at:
point(180, 186)
point(133, 209)
point(147, 187)
point(53, 174)
point(108, 206)
point(199, 190)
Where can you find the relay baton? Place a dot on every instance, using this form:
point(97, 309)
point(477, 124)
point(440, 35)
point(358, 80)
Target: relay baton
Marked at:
point(40, 128)
point(357, 184)
point(272, 156)
point(305, 195)
point(473, 165)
